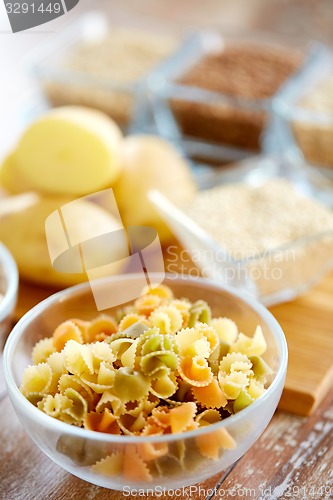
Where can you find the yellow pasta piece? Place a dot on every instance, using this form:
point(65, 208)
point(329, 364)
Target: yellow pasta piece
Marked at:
point(182, 416)
point(233, 383)
point(101, 328)
point(225, 328)
point(195, 371)
point(55, 405)
point(67, 381)
point(164, 387)
point(236, 361)
point(112, 402)
point(128, 358)
point(36, 379)
point(210, 396)
point(112, 465)
point(42, 350)
point(210, 334)
point(130, 319)
point(102, 422)
point(193, 342)
point(78, 358)
point(79, 409)
point(161, 320)
point(175, 316)
point(56, 362)
point(64, 332)
point(35, 397)
point(163, 291)
point(255, 389)
point(183, 306)
point(101, 381)
point(101, 352)
point(120, 346)
point(254, 346)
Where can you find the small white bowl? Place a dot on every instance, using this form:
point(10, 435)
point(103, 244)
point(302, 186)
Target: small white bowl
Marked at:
point(8, 290)
point(76, 449)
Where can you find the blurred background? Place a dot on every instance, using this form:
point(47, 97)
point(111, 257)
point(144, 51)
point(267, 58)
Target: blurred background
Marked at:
point(310, 19)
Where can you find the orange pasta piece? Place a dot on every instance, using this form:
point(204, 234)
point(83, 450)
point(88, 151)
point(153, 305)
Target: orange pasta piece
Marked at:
point(195, 371)
point(134, 468)
point(102, 422)
point(151, 451)
point(64, 332)
point(147, 303)
point(210, 444)
point(210, 396)
point(101, 328)
point(181, 417)
point(161, 416)
point(82, 326)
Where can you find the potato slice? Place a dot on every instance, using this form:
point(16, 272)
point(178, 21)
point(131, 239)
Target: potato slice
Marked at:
point(151, 163)
point(24, 234)
point(11, 179)
point(70, 151)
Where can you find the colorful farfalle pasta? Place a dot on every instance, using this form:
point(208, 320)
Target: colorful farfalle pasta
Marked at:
point(161, 366)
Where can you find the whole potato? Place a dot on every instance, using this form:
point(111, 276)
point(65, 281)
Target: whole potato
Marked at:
point(24, 235)
point(70, 150)
point(150, 162)
point(11, 178)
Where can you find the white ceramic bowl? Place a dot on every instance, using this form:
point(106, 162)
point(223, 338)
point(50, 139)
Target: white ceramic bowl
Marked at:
point(8, 290)
point(76, 449)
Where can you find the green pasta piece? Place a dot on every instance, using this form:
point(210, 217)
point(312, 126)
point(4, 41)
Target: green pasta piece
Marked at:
point(200, 311)
point(242, 401)
point(260, 368)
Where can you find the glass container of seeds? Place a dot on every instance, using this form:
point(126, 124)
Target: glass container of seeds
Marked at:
point(268, 235)
point(101, 62)
point(214, 95)
point(306, 114)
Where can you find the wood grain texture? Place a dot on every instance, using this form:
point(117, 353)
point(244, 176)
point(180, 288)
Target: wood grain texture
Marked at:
point(292, 459)
point(308, 326)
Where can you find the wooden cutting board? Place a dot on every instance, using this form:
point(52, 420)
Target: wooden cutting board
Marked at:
point(308, 326)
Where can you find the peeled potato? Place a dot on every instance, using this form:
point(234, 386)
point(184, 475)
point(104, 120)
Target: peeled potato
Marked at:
point(151, 163)
point(24, 234)
point(11, 179)
point(70, 151)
